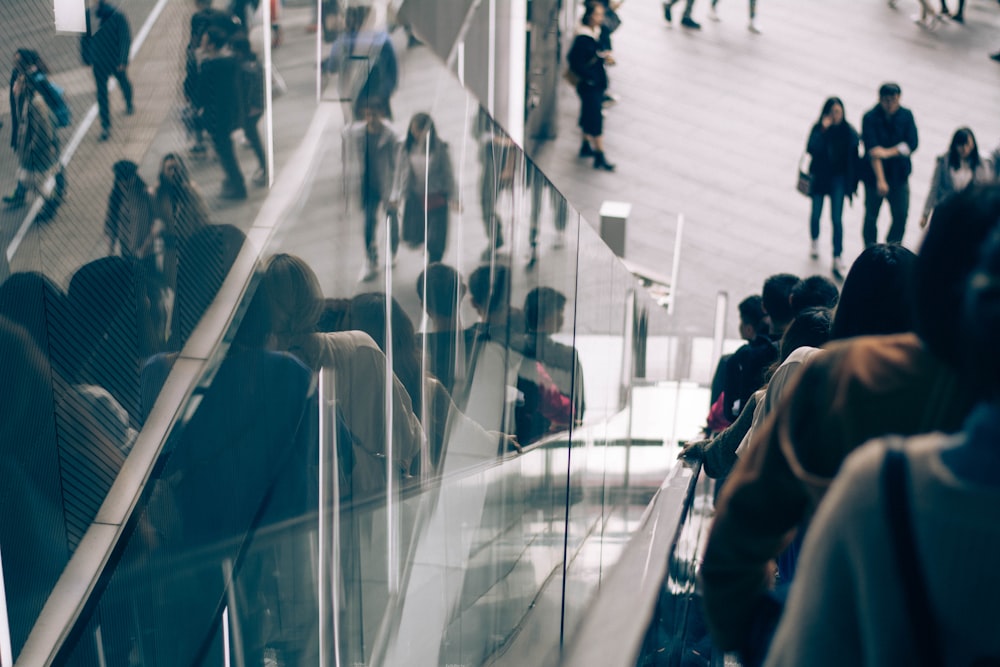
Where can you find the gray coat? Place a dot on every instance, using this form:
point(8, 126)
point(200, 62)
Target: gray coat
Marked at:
point(440, 175)
point(356, 138)
point(942, 186)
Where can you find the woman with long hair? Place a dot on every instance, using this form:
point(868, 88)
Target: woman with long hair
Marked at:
point(181, 210)
point(587, 61)
point(956, 170)
point(359, 367)
point(833, 147)
point(425, 184)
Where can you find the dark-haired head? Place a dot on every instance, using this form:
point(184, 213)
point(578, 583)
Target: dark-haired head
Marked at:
point(828, 106)
point(28, 59)
point(775, 295)
point(814, 292)
point(876, 297)
point(489, 288)
point(367, 312)
point(809, 328)
point(36, 303)
point(588, 12)
point(543, 309)
point(419, 124)
point(752, 316)
point(959, 144)
point(442, 292)
point(980, 324)
point(950, 251)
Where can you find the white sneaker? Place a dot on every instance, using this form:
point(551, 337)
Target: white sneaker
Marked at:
point(814, 249)
point(839, 270)
point(753, 27)
point(713, 15)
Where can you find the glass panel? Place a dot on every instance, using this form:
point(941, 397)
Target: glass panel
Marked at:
point(391, 315)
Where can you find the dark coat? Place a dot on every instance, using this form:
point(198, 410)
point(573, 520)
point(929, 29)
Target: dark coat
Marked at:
point(106, 48)
point(219, 94)
point(880, 129)
point(35, 140)
point(834, 152)
point(584, 61)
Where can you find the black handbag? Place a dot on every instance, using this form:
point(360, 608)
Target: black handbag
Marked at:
point(804, 184)
point(611, 20)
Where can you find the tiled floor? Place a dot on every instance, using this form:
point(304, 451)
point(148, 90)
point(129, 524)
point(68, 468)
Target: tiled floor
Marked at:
point(711, 125)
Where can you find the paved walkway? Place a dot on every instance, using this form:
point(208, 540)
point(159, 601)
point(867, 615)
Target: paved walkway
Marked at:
point(712, 123)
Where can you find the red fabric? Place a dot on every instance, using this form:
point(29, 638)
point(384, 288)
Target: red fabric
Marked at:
point(717, 421)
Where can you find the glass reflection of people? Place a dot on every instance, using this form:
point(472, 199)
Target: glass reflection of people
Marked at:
point(369, 154)
point(538, 184)
point(181, 210)
point(441, 289)
point(489, 293)
point(359, 368)
point(498, 157)
point(33, 553)
point(364, 59)
point(551, 377)
point(425, 185)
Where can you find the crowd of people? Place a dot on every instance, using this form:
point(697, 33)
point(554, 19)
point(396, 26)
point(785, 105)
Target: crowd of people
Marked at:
point(887, 140)
point(791, 405)
point(827, 550)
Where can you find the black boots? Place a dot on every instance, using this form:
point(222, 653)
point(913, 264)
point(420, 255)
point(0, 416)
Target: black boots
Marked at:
point(16, 199)
point(601, 163)
point(585, 149)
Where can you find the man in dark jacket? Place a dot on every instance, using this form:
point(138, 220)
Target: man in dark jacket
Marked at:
point(106, 50)
point(890, 135)
point(221, 99)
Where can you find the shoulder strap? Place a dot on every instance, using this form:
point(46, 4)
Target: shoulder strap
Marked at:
point(923, 626)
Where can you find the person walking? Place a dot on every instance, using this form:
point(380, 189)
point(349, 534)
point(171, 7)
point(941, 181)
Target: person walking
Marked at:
point(686, 20)
point(181, 210)
point(34, 142)
point(890, 137)
point(220, 97)
point(425, 185)
point(959, 168)
point(833, 147)
point(587, 62)
point(369, 153)
point(106, 50)
point(29, 64)
point(252, 87)
point(752, 26)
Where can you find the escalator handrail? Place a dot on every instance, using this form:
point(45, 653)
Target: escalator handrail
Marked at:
point(615, 625)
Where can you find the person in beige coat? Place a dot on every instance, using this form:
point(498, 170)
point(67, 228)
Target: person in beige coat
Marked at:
point(359, 368)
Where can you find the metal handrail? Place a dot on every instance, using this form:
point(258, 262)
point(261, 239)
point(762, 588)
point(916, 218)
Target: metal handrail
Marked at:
point(614, 628)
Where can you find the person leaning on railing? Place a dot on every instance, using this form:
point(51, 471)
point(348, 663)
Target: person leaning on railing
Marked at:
point(856, 390)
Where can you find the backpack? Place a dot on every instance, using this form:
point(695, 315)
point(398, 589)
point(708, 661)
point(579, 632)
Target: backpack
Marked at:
point(55, 99)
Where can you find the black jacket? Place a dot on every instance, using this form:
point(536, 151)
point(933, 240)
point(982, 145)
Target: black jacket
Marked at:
point(107, 47)
point(584, 61)
point(219, 94)
point(834, 152)
point(880, 129)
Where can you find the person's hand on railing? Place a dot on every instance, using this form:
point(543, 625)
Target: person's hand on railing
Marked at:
point(693, 452)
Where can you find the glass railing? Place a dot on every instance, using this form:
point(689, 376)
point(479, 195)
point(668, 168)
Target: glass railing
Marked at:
point(383, 410)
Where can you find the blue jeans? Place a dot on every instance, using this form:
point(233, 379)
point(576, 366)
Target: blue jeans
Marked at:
point(836, 214)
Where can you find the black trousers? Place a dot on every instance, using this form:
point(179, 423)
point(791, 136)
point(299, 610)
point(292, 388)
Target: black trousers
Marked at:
point(222, 141)
point(101, 76)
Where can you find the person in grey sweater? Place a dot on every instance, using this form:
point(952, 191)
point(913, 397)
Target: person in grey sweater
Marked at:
point(425, 184)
